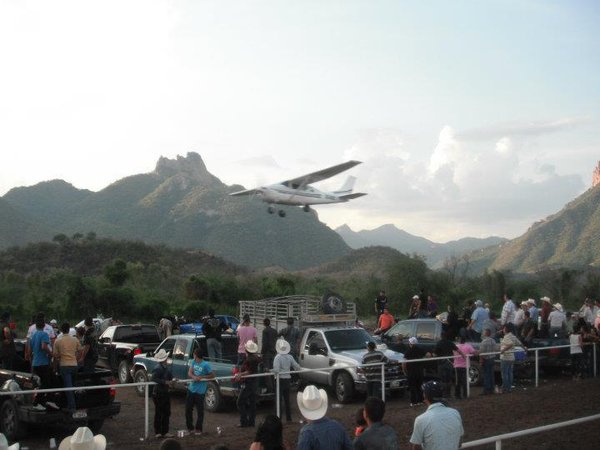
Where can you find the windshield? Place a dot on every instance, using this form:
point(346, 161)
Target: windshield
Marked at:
point(353, 339)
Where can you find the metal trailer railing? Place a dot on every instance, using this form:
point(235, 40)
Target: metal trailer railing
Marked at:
point(277, 378)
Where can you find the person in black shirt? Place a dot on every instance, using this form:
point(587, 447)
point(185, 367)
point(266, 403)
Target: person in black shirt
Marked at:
point(90, 346)
point(414, 371)
point(269, 337)
point(381, 302)
point(212, 329)
point(446, 347)
point(163, 377)
point(246, 401)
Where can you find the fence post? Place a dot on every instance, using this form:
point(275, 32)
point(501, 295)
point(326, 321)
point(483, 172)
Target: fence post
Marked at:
point(277, 395)
point(468, 380)
point(595, 366)
point(383, 381)
point(537, 367)
point(146, 410)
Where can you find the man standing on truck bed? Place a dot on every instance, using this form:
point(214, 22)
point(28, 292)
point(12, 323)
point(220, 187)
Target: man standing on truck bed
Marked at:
point(40, 363)
point(246, 332)
point(89, 355)
point(381, 302)
point(212, 329)
point(292, 335)
point(66, 351)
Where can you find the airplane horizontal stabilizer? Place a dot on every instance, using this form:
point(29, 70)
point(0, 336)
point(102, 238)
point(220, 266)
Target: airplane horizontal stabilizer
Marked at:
point(351, 196)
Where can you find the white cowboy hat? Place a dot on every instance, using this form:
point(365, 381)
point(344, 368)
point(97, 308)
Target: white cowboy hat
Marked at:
point(531, 301)
point(83, 439)
point(415, 297)
point(312, 402)
point(545, 299)
point(413, 340)
point(282, 346)
point(251, 347)
point(161, 356)
point(558, 306)
point(4, 444)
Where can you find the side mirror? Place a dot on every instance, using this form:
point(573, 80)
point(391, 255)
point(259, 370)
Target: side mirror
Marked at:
point(150, 354)
point(323, 351)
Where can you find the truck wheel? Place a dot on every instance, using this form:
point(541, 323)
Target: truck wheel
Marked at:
point(140, 376)
point(95, 425)
point(344, 387)
point(11, 426)
point(213, 400)
point(123, 372)
point(475, 376)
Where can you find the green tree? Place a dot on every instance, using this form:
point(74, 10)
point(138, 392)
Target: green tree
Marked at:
point(116, 273)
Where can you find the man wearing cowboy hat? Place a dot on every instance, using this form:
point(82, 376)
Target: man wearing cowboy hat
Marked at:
point(320, 432)
point(199, 371)
point(83, 439)
point(246, 401)
point(163, 377)
point(439, 426)
point(557, 321)
point(544, 313)
point(284, 362)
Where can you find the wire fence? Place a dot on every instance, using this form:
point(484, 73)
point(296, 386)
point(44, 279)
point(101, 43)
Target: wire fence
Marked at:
point(336, 367)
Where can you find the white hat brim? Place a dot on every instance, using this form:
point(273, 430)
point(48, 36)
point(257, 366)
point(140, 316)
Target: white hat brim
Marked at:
point(283, 349)
point(313, 414)
point(99, 443)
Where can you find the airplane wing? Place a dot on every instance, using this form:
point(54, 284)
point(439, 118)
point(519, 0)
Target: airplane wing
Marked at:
point(245, 192)
point(320, 175)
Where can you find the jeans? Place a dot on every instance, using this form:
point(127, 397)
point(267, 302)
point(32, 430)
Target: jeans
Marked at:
point(197, 400)
point(214, 349)
point(488, 375)
point(267, 366)
point(45, 374)
point(162, 412)
point(68, 374)
point(374, 389)
point(507, 375)
point(284, 395)
point(460, 388)
point(445, 372)
point(414, 386)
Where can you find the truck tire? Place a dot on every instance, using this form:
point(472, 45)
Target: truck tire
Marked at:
point(11, 426)
point(213, 400)
point(344, 387)
point(123, 372)
point(140, 376)
point(333, 304)
point(95, 425)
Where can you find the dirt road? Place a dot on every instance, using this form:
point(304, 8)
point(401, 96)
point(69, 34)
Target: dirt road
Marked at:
point(554, 401)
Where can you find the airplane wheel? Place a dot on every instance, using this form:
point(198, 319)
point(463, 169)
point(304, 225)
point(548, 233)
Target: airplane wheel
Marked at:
point(281, 213)
point(270, 210)
point(306, 208)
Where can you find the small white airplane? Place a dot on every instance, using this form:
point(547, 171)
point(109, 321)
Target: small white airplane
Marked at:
point(298, 192)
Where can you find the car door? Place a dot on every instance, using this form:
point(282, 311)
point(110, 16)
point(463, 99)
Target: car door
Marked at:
point(180, 357)
point(315, 355)
point(106, 352)
point(396, 338)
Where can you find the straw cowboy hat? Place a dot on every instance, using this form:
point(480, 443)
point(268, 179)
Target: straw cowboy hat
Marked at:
point(545, 299)
point(251, 347)
point(83, 439)
point(4, 444)
point(312, 402)
point(282, 346)
point(558, 307)
point(531, 301)
point(161, 356)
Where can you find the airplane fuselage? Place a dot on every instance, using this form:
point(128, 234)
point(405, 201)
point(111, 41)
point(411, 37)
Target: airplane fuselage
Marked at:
point(306, 195)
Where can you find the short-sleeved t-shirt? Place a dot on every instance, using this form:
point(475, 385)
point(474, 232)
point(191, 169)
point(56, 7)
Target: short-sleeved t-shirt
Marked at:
point(198, 369)
point(438, 428)
point(66, 349)
point(40, 356)
point(245, 334)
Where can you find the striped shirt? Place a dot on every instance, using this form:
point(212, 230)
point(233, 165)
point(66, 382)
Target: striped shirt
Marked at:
point(373, 373)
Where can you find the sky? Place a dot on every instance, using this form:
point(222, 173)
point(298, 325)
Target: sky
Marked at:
point(471, 118)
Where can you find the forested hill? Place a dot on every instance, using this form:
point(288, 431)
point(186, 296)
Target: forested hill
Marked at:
point(179, 204)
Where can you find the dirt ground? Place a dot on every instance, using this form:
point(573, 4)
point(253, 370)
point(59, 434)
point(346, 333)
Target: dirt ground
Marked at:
point(556, 400)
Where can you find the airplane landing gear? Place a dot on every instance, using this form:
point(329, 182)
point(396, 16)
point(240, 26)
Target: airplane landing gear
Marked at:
point(306, 208)
point(281, 213)
point(270, 210)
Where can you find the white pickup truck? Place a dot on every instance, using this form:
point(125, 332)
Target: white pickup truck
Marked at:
point(343, 349)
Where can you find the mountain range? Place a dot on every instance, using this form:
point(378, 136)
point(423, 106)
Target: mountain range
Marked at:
point(182, 205)
point(435, 253)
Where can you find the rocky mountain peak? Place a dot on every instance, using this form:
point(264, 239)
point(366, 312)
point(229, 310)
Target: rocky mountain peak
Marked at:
point(191, 165)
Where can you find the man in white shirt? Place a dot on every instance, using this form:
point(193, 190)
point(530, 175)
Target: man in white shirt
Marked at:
point(508, 311)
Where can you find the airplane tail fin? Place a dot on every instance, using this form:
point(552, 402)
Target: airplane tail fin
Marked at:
point(347, 186)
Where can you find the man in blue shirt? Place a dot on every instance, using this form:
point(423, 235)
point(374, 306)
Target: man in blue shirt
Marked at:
point(199, 371)
point(479, 316)
point(320, 433)
point(41, 352)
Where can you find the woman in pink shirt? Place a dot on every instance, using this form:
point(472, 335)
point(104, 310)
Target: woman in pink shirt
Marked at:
point(246, 332)
point(460, 365)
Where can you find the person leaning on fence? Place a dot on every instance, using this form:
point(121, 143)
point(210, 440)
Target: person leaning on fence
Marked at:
point(414, 370)
point(507, 356)
point(377, 435)
point(199, 371)
point(284, 362)
point(440, 427)
point(460, 366)
point(161, 398)
point(320, 432)
point(373, 373)
point(488, 345)
point(446, 347)
point(247, 398)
